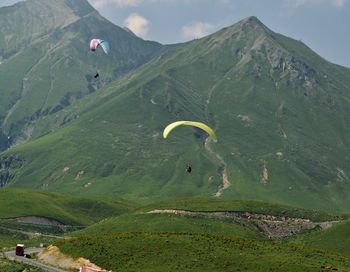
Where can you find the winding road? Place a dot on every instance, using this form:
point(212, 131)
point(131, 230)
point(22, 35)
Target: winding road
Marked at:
point(12, 256)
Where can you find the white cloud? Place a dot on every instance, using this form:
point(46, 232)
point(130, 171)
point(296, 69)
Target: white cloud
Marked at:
point(300, 3)
point(197, 30)
point(137, 24)
point(120, 3)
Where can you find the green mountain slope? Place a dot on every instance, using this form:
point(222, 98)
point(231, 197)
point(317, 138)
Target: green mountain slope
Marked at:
point(279, 110)
point(202, 218)
point(198, 252)
point(45, 62)
point(65, 209)
point(205, 243)
point(335, 239)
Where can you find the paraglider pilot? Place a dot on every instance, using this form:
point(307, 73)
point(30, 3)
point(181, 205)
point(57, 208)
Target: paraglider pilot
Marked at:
point(189, 168)
point(97, 75)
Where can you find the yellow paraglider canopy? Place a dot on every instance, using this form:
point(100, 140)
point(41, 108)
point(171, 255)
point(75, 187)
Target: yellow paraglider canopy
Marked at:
point(200, 125)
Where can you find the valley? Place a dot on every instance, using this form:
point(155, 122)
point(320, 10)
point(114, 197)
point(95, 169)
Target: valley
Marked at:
point(210, 233)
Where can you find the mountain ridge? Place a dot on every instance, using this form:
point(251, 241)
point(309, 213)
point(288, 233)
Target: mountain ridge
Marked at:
point(63, 31)
point(279, 111)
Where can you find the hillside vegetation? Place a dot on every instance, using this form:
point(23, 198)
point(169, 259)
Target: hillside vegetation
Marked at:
point(125, 236)
point(335, 239)
point(68, 210)
point(198, 252)
point(12, 266)
point(279, 111)
point(87, 156)
point(46, 65)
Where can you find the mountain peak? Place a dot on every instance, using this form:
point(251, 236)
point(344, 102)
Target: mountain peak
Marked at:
point(243, 27)
point(80, 7)
point(30, 19)
point(250, 20)
point(62, 7)
point(250, 23)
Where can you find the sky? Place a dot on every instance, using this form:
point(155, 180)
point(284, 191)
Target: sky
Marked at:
point(323, 25)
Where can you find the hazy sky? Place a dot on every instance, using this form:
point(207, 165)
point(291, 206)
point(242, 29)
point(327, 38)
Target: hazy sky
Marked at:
point(324, 25)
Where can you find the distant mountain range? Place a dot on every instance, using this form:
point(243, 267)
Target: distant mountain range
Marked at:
point(46, 63)
point(280, 112)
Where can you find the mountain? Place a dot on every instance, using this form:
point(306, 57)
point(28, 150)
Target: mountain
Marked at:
point(45, 62)
point(279, 110)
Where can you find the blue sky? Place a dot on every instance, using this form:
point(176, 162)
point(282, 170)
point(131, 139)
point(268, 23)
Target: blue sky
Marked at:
point(324, 25)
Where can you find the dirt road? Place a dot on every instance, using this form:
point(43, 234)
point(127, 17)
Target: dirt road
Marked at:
point(12, 256)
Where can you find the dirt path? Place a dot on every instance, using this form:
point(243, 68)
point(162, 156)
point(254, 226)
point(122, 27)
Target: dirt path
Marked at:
point(52, 260)
point(35, 234)
point(11, 255)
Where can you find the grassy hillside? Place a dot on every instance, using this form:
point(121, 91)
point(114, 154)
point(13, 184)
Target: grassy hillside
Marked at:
point(12, 266)
point(161, 223)
point(227, 204)
point(335, 239)
point(136, 240)
point(158, 242)
point(45, 63)
point(279, 110)
point(66, 209)
point(143, 218)
point(10, 238)
point(196, 252)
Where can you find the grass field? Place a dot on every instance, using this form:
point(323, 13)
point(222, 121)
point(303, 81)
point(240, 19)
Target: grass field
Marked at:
point(126, 238)
point(11, 266)
point(66, 209)
point(9, 240)
point(231, 204)
point(163, 242)
point(335, 239)
point(199, 252)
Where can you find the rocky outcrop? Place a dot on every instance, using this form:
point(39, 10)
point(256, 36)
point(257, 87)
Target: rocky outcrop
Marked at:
point(4, 141)
point(264, 175)
point(270, 225)
point(8, 167)
point(53, 256)
point(341, 175)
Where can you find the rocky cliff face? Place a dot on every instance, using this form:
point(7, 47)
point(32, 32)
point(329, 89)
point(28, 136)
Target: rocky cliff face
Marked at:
point(4, 141)
point(8, 167)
